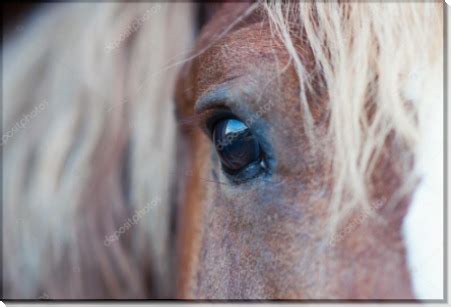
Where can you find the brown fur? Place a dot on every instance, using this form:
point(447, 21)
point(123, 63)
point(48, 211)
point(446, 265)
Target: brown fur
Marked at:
point(267, 239)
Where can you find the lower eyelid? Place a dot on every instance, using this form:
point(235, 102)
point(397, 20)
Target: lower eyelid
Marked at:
point(242, 177)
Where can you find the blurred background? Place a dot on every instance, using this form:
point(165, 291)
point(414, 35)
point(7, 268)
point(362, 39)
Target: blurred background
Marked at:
point(88, 145)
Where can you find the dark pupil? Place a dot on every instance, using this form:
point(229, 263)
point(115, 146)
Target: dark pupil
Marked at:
point(235, 144)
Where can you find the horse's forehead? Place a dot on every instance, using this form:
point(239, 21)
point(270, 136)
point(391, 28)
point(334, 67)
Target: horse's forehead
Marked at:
point(222, 51)
point(250, 50)
point(228, 17)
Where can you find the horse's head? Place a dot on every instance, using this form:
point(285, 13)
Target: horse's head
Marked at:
point(307, 143)
point(293, 187)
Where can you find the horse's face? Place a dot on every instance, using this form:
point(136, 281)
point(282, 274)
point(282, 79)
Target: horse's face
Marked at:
point(254, 202)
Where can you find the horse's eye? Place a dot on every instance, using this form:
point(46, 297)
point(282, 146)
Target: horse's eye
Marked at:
point(235, 144)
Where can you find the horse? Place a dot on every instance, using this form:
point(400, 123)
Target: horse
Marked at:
point(253, 151)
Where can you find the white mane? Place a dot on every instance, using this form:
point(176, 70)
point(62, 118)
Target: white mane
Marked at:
point(392, 55)
point(100, 73)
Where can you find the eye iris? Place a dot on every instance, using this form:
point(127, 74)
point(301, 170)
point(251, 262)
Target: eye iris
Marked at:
point(235, 144)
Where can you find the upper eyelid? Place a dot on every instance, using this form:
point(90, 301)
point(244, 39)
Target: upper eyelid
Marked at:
point(233, 93)
point(215, 115)
point(220, 95)
point(209, 103)
point(226, 97)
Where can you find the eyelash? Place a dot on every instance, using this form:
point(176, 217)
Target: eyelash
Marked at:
point(211, 117)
